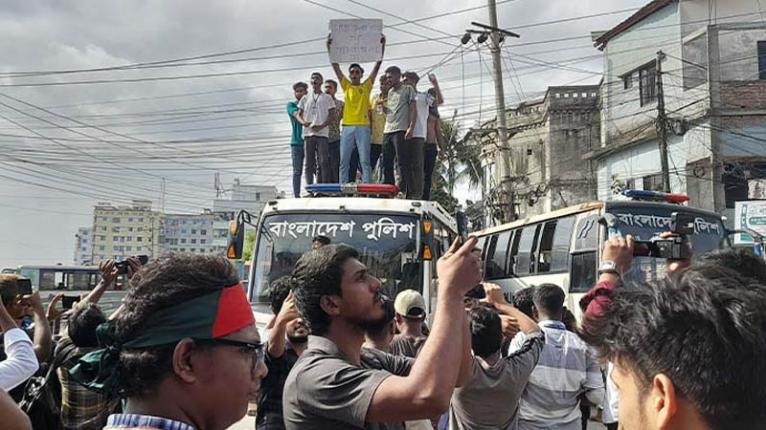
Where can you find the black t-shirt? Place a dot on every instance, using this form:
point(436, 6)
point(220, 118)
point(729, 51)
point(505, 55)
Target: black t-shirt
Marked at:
point(270, 402)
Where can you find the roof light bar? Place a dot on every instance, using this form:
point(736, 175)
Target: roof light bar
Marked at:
point(353, 189)
point(655, 196)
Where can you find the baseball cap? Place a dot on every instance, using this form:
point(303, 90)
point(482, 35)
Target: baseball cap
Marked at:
point(410, 303)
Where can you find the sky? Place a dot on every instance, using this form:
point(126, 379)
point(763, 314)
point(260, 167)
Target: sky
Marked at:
point(185, 89)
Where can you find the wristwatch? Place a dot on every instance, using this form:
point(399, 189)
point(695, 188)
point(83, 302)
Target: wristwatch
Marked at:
point(608, 266)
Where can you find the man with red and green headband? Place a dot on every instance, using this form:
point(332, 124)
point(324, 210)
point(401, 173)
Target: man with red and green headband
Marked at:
point(184, 350)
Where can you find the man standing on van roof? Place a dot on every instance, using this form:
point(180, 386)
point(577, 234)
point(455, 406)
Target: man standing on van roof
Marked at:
point(410, 310)
point(356, 115)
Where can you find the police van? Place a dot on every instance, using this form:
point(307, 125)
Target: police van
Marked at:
point(564, 247)
point(398, 240)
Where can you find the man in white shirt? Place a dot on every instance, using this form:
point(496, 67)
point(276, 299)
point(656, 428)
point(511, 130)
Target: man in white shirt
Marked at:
point(566, 369)
point(316, 111)
point(20, 363)
point(411, 162)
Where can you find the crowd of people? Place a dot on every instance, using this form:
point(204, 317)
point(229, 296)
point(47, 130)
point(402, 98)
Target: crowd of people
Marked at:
point(183, 351)
point(336, 141)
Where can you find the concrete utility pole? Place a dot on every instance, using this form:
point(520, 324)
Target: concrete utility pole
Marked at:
point(502, 152)
point(662, 125)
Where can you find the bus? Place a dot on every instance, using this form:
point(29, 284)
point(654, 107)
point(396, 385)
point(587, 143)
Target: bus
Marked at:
point(563, 247)
point(59, 277)
point(399, 240)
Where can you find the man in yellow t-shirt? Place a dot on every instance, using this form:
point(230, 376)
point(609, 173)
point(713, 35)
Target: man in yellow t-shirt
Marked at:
point(356, 116)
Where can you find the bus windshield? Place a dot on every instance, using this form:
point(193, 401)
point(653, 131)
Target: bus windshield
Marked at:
point(646, 222)
point(386, 243)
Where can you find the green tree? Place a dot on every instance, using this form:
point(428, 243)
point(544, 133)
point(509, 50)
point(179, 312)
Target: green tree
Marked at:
point(247, 251)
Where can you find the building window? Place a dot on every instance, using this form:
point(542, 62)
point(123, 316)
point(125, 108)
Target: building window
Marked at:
point(116, 219)
point(101, 248)
point(130, 219)
point(140, 220)
point(566, 95)
point(102, 237)
point(202, 241)
point(257, 197)
point(183, 240)
point(203, 232)
point(575, 95)
point(653, 182)
point(762, 60)
point(627, 81)
point(194, 231)
point(194, 241)
point(584, 95)
point(139, 239)
point(558, 95)
point(647, 77)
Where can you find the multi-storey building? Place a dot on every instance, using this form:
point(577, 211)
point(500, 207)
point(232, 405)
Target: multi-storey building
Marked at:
point(189, 233)
point(122, 231)
point(710, 58)
point(547, 138)
point(83, 246)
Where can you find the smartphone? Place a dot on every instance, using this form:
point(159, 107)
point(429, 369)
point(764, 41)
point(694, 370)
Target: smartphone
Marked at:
point(122, 266)
point(24, 286)
point(67, 302)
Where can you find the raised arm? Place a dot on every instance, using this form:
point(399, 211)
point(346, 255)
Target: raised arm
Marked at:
point(376, 69)
point(439, 97)
point(425, 393)
point(43, 338)
point(277, 340)
point(21, 362)
point(335, 66)
point(497, 299)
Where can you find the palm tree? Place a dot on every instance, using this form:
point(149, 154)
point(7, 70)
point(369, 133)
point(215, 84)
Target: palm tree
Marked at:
point(461, 159)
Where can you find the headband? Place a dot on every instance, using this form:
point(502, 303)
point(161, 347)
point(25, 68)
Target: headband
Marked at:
point(211, 316)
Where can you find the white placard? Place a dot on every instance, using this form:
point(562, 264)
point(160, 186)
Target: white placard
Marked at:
point(752, 215)
point(356, 40)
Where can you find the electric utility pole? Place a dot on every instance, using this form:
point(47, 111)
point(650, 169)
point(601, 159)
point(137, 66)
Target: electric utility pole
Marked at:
point(662, 125)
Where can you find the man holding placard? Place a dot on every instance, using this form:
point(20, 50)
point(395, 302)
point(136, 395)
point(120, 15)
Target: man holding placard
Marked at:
point(356, 40)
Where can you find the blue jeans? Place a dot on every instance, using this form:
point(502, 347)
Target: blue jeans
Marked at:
point(355, 136)
point(297, 153)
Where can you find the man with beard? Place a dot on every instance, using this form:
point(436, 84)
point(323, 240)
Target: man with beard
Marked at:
point(289, 338)
point(340, 300)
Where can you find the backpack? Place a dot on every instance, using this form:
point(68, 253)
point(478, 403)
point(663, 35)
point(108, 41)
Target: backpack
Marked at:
point(42, 393)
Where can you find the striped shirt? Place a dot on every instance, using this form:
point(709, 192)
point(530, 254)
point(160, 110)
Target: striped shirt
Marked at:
point(144, 422)
point(566, 369)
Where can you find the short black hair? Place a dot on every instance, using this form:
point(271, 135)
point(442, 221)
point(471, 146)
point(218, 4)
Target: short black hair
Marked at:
point(412, 76)
point(486, 331)
point(743, 261)
point(523, 301)
point(298, 85)
point(82, 325)
point(357, 65)
point(324, 240)
point(9, 288)
point(333, 82)
point(317, 74)
point(395, 70)
point(549, 299)
point(319, 273)
point(694, 329)
point(278, 291)
point(163, 283)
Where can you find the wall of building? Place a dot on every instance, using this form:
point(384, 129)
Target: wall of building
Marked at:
point(120, 232)
point(189, 233)
point(83, 246)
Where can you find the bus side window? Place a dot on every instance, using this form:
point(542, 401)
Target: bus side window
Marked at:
point(497, 266)
point(583, 272)
point(513, 252)
point(526, 249)
point(562, 240)
point(546, 247)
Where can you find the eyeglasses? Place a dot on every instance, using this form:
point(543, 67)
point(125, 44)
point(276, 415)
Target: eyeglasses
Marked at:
point(256, 349)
